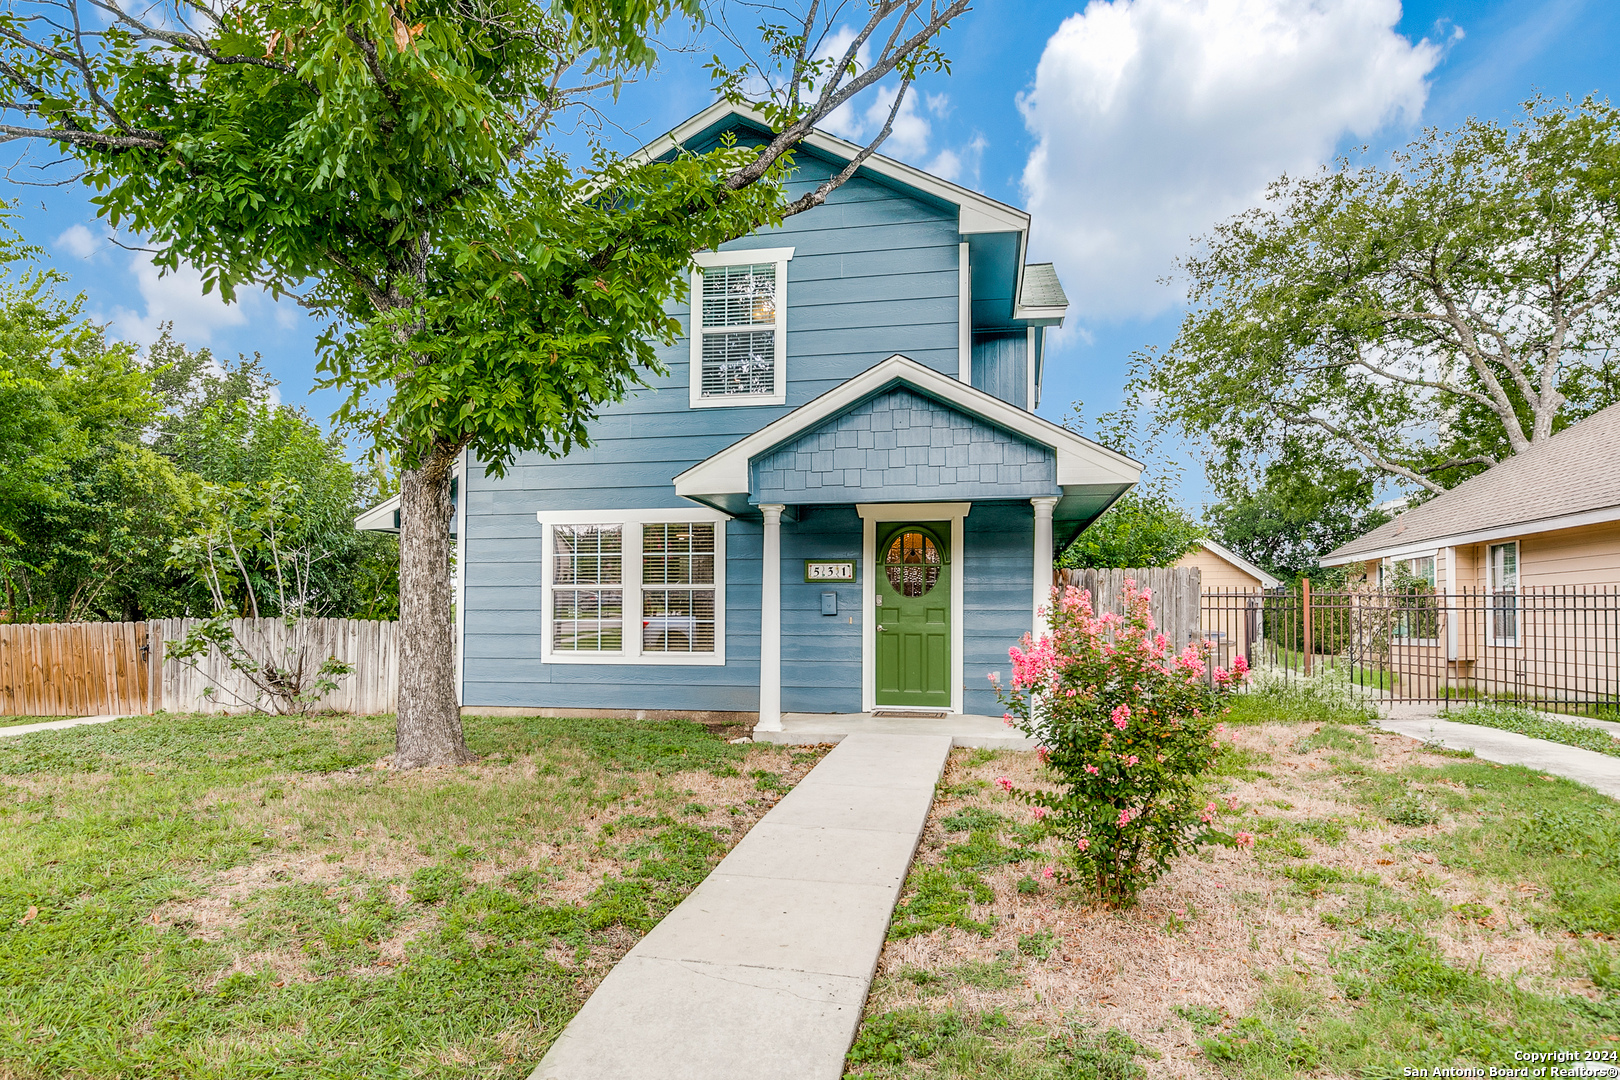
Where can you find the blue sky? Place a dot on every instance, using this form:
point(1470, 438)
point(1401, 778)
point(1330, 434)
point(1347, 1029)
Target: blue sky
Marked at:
point(1127, 127)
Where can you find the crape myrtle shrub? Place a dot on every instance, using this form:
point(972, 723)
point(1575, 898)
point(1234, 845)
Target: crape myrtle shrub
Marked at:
point(1126, 726)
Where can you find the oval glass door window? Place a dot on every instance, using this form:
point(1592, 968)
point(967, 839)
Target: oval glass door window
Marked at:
point(912, 563)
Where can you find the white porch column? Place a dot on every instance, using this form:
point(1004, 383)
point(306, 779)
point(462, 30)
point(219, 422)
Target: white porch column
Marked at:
point(770, 621)
point(1043, 561)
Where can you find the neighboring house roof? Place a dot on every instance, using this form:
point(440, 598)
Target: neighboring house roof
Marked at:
point(1241, 563)
point(1570, 479)
point(1090, 474)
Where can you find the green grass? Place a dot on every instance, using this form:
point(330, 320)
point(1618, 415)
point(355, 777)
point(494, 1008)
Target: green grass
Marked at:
point(1403, 1002)
point(1525, 722)
point(954, 1045)
point(1324, 699)
point(430, 948)
point(1513, 825)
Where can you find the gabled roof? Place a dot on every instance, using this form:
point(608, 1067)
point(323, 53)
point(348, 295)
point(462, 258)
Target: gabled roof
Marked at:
point(1570, 479)
point(721, 478)
point(1266, 580)
point(979, 213)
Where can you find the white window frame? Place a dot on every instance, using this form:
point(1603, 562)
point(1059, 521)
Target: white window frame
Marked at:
point(631, 583)
point(1491, 589)
point(1386, 571)
point(704, 260)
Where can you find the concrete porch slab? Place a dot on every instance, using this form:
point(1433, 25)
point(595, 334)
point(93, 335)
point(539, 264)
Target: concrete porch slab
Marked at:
point(762, 971)
point(966, 729)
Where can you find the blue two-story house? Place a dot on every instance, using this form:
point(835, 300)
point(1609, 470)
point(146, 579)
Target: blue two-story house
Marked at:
point(838, 500)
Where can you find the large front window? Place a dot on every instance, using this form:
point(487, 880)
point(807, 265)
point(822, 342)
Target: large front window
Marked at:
point(739, 323)
point(633, 586)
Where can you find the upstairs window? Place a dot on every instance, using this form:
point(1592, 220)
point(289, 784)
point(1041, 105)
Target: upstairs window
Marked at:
point(739, 327)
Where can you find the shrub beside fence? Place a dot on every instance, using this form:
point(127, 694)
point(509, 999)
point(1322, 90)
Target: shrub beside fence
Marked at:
point(87, 669)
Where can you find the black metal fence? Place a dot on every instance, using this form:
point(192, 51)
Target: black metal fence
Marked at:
point(1554, 648)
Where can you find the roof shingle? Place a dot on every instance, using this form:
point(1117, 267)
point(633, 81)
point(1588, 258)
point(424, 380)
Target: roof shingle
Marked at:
point(1573, 472)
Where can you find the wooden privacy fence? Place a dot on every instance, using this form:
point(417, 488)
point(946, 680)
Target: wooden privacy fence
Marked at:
point(75, 669)
point(1174, 602)
point(88, 669)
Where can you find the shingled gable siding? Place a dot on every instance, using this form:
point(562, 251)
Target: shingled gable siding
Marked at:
point(874, 273)
point(901, 446)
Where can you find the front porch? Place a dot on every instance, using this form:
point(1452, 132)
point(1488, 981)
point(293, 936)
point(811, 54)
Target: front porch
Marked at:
point(964, 729)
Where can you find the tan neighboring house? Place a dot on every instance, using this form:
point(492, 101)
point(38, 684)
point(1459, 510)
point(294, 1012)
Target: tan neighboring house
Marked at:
point(1524, 561)
point(1547, 516)
point(1220, 569)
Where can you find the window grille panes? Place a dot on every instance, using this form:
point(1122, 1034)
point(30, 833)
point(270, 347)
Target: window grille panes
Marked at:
point(677, 619)
point(584, 616)
point(739, 296)
point(739, 330)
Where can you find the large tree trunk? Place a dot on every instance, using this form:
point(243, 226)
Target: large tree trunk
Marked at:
point(429, 727)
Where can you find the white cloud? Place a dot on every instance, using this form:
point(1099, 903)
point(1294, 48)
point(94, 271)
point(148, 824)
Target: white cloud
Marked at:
point(79, 242)
point(1156, 119)
point(960, 166)
point(178, 298)
point(909, 137)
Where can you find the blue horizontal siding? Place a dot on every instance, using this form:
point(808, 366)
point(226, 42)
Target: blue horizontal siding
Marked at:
point(997, 596)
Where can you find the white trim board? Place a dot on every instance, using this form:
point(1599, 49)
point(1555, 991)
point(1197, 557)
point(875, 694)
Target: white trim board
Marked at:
point(1480, 536)
point(872, 513)
point(1079, 460)
point(630, 550)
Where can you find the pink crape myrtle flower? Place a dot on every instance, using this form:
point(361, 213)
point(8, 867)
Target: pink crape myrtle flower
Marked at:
point(1132, 760)
point(1083, 843)
point(1044, 753)
point(1048, 873)
point(1004, 783)
point(1040, 813)
point(1120, 716)
point(1209, 813)
point(1244, 839)
point(1231, 802)
point(1128, 815)
point(1092, 769)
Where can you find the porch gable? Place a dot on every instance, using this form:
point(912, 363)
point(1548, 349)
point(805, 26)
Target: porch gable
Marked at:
point(901, 446)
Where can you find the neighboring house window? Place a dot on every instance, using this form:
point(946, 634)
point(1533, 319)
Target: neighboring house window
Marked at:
point(739, 327)
point(1503, 562)
point(1411, 584)
point(635, 586)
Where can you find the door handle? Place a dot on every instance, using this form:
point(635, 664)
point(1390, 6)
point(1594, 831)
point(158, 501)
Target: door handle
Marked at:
point(881, 628)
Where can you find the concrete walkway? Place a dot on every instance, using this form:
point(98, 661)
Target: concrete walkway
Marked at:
point(1587, 767)
point(55, 725)
point(762, 972)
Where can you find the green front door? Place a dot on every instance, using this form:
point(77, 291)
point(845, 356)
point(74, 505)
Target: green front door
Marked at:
point(913, 610)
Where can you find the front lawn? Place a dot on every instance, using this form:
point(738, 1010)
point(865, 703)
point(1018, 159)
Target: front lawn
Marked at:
point(210, 896)
point(1402, 906)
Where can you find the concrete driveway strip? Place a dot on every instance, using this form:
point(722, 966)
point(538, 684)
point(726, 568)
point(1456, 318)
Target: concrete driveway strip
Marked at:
point(57, 725)
point(762, 972)
point(1588, 767)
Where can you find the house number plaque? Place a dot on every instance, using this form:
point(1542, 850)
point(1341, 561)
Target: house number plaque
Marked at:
point(836, 570)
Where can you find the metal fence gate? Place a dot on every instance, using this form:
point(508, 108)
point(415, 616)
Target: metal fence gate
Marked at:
point(1551, 647)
